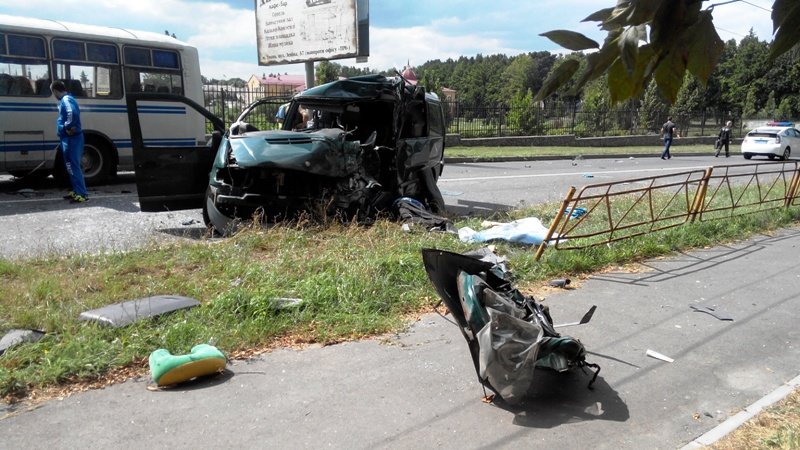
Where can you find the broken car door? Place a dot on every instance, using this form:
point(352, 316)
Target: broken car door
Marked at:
point(171, 174)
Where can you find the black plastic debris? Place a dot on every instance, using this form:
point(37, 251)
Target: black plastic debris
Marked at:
point(16, 337)
point(412, 211)
point(508, 334)
point(125, 313)
point(562, 283)
point(721, 315)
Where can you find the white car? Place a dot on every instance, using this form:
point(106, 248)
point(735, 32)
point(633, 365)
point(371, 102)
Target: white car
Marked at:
point(771, 141)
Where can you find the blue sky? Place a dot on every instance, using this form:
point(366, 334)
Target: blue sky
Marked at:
point(400, 31)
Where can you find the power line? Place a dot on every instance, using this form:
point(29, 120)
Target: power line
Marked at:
point(757, 6)
point(711, 7)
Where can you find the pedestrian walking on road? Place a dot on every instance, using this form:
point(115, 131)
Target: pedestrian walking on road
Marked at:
point(724, 139)
point(668, 131)
point(68, 128)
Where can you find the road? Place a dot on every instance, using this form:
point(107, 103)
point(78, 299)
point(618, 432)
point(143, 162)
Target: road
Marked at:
point(36, 221)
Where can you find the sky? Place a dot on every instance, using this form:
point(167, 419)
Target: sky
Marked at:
point(415, 31)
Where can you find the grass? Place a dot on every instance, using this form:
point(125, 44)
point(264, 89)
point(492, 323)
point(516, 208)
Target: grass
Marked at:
point(484, 152)
point(778, 427)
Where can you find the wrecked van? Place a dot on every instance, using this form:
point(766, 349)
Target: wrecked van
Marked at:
point(350, 147)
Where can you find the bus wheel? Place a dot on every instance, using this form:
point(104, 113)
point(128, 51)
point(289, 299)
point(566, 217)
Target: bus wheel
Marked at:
point(97, 162)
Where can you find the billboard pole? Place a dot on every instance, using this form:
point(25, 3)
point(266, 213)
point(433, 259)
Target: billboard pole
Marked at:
point(309, 74)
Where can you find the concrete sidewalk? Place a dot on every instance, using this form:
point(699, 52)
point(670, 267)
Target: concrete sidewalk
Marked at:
point(419, 389)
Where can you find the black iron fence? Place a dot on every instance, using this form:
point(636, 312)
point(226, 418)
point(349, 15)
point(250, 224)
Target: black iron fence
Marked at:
point(498, 120)
point(576, 119)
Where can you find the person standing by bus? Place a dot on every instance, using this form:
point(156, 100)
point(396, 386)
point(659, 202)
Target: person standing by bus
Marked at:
point(68, 127)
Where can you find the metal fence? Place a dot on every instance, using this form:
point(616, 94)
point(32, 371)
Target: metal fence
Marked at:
point(470, 120)
point(498, 120)
point(607, 212)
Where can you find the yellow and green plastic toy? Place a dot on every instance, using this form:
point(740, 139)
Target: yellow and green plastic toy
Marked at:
point(168, 369)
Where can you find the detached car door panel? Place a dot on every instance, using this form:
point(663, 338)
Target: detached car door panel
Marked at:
point(171, 172)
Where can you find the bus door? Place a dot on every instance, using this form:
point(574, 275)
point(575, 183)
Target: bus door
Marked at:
point(24, 151)
point(169, 176)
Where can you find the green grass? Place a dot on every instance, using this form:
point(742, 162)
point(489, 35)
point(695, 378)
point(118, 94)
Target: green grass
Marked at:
point(354, 281)
point(487, 152)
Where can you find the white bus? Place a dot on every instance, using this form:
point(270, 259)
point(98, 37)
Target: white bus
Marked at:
point(99, 65)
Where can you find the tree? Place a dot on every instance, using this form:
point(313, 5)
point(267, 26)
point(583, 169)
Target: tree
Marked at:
point(653, 109)
point(523, 114)
point(681, 38)
point(326, 72)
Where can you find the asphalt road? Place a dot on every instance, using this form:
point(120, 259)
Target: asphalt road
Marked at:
point(418, 389)
point(35, 220)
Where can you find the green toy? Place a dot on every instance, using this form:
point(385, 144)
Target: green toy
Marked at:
point(168, 369)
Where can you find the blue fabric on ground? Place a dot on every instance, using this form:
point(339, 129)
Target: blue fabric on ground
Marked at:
point(523, 231)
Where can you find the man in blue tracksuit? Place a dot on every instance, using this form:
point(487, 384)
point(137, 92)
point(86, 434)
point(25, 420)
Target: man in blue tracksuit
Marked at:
point(68, 127)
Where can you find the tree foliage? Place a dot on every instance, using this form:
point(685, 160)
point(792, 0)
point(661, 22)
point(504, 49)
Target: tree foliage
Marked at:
point(657, 40)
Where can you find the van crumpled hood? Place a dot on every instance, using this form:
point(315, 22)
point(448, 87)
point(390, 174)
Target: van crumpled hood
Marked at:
point(323, 152)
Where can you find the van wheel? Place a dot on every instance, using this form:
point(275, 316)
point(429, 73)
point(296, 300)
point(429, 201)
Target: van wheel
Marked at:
point(747, 156)
point(786, 154)
point(97, 161)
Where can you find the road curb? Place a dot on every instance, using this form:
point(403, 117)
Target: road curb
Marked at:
point(462, 159)
point(740, 418)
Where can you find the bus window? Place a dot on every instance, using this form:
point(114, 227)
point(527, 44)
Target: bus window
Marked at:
point(23, 67)
point(89, 69)
point(152, 70)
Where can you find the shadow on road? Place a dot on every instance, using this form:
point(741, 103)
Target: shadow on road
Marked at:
point(198, 383)
point(466, 208)
point(691, 263)
point(559, 398)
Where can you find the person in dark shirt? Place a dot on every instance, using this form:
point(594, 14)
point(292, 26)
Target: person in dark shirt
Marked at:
point(668, 131)
point(724, 139)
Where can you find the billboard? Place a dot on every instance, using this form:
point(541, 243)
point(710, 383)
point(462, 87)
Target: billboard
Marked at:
point(294, 31)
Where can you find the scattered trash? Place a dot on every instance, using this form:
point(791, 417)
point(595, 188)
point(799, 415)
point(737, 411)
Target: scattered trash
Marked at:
point(487, 254)
point(577, 159)
point(523, 231)
point(585, 319)
point(25, 192)
point(406, 227)
point(285, 302)
point(560, 283)
point(167, 369)
point(413, 212)
point(508, 334)
point(713, 311)
point(595, 410)
point(17, 337)
point(656, 355)
point(122, 314)
point(575, 213)
point(588, 175)
point(190, 222)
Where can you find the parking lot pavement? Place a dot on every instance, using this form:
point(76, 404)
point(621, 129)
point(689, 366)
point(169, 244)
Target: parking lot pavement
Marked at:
point(419, 389)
